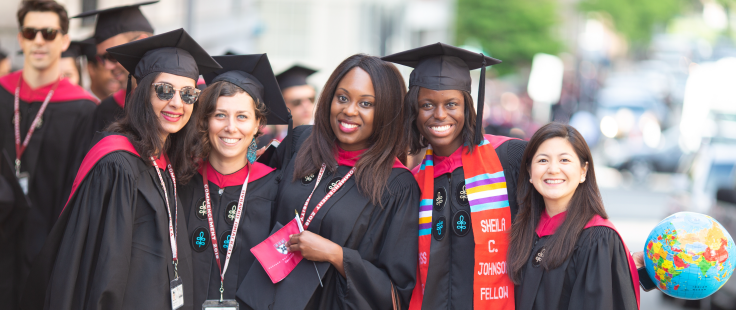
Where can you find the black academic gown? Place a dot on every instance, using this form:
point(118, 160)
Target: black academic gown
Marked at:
point(110, 247)
point(452, 260)
point(379, 245)
point(596, 276)
point(253, 229)
point(52, 158)
point(109, 110)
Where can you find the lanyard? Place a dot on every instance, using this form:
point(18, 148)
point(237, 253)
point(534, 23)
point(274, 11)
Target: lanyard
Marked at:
point(322, 202)
point(211, 222)
point(172, 235)
point(21, 148)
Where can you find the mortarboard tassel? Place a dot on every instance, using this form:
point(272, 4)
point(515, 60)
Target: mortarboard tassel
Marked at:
point(481, 103)
point(127, 90)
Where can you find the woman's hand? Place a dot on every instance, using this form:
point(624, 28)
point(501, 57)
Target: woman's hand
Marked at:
point(316, 248)
point(638, 259)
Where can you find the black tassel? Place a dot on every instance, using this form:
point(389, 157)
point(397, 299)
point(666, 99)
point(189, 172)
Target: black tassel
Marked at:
point(481, 103)
point(128, 89)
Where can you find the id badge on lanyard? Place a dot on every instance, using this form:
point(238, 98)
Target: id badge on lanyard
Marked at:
point(222, 304)
point(177, 285)
point(20, 148)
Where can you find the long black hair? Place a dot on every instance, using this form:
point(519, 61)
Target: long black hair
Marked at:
point(388, 140)
point(585, 203)
point(141, 125)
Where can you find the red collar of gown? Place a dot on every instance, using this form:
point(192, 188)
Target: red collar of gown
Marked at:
point(349, 158)
point(548, 225)
point(258, 170)
point(66, 91)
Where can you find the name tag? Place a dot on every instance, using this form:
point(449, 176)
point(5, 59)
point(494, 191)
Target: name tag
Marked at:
point(177, 294)
point(227, 304)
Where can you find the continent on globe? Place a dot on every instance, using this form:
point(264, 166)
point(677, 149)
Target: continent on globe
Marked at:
point(689, 255)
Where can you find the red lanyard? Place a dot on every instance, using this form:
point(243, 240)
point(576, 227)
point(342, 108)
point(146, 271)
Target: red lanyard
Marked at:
point(322, 202)
point(21, 148)
point(211, 222)
point(172, 235)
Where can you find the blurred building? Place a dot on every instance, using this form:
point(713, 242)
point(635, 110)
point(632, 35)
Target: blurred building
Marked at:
point(320, 33)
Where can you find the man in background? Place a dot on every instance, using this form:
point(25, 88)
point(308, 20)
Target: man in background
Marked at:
point(46, 139)
point(116, 26)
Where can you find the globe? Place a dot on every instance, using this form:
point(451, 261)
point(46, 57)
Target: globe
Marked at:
point(689, 255)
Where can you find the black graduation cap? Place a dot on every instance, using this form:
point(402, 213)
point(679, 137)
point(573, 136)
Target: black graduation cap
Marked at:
point(89, 49)
point(443, 67)
point(172, 52)
point(76, 49)
point(117, 20)
point(294, 76)
point(253, 74)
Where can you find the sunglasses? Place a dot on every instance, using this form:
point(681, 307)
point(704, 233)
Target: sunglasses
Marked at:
point(48, 34)
point(106, 57)
point(165, 91)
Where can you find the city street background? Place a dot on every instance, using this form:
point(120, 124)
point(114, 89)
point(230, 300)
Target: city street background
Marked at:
point(649, 83)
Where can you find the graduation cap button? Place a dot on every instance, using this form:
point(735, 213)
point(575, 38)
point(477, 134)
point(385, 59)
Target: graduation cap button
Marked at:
point(200, 239)
point(440, 198)
point(439, 228)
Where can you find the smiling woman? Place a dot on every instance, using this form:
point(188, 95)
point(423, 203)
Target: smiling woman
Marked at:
point(120, 242)
point(356, 199)
point(233, 108)
point(563, 252)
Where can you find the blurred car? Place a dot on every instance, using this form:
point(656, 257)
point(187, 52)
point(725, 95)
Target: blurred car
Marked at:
point(666, 157)
point(711, 174)
point(724, 211)
point(630, 119)
point(712, 168)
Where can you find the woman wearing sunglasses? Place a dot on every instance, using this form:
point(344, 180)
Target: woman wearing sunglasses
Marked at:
point(228, 202)
point(121, 241)
point(357, 201)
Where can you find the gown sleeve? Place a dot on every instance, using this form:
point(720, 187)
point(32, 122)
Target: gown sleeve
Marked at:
point(603, 279)
point(78, 149)
point(367, 284)
point(92, 262)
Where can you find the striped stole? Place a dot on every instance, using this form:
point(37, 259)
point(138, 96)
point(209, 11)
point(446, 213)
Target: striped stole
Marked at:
point(490, 214)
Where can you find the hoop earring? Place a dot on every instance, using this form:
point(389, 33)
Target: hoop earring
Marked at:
point(252, 148)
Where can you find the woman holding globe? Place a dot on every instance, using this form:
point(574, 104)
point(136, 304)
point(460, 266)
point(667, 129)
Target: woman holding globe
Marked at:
point(564, 253)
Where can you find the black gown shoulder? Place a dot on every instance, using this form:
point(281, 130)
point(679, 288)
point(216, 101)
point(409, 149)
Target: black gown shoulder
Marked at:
point(595, 276)
point(106, 113)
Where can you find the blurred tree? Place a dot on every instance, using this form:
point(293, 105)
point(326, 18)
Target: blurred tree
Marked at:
point(510, 30)
point(636, 19)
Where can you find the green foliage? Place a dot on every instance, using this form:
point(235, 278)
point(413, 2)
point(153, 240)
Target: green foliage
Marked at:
point(510, 30)
point(636, 19)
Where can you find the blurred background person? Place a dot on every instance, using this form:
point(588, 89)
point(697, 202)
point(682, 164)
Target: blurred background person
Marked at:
point(116, 26)
point(45, 132)
point(69, 63)
point(101, 82)
point(4, 63)
point(299, 97)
